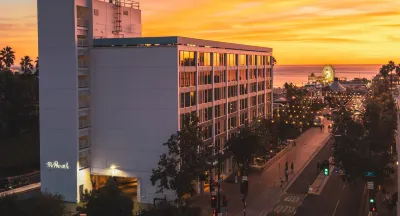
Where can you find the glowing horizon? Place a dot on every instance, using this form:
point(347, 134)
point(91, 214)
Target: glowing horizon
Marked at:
point(301, 32)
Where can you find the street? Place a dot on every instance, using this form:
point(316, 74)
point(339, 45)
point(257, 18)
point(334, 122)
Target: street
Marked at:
point(264, 188)
point(337, 199)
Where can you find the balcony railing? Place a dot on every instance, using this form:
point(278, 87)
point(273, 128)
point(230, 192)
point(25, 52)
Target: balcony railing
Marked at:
point(82, 22)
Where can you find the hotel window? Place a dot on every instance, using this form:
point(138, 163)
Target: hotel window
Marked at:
point(252, 60)
point(188, 99)
point(243, 104)
point(261, 99)
point(84, 159)
point(269, 97)
point(232, 91)
point(253, 113)
point(84, 119)
point(84, 98)
point(261, 111)
point(231, 59)
point(204, 59)
point(83, 81)
point(268, 61)
point(186, 58)
point(253, 101)
point(207, 132)
point(232, 75)
point(242, 60)
point(261, 86)
point(243, 89)
point(219, 93)
point(220, 110)
point(243, 118)
point(261, 73)
point(232, 107)
point(205, 114)
point(84, 139)
point(253, 87)
point(220, 126)
point(185, 118)
point(96, 12)
point(242, 75)
point(232, 122)
point(205, 77)
point(252, 73)
point(268, 73)
point(205, 96)
point(260, 60)
point(219, 59)
point(219, 76)
point(268, 84)
point(187, 79)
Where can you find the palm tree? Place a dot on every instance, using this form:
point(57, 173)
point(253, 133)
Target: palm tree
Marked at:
point(26, 65)
point(37, 66)
point(7, 56)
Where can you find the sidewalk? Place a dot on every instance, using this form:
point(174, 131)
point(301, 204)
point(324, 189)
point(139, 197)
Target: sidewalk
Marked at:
point(264, 187)
point(389, 185)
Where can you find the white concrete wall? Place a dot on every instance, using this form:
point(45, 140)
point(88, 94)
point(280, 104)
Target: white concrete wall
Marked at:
point(104, 23)
point(134, 110)
point(58, 96)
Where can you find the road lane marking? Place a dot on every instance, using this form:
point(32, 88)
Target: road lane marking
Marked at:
point(337, 204)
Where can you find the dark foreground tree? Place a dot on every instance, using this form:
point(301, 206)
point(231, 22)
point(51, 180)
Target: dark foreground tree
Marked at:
point(42, 204)
point(108, 200)
point(187, 159)
point(243, 145)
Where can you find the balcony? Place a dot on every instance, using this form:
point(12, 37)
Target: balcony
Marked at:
point(83, 81)
point(83, 63)
point(82, 22)
point(84, 139)
point(84, 99)
point(83, 42)
point(84, 122)
point(84, 159)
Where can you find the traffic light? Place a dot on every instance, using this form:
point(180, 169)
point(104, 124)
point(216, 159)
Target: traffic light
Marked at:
point(372, 206)
point(326, 170)
point(371, 200)
point(213, 201)
point(215, 213)
point(224, 201)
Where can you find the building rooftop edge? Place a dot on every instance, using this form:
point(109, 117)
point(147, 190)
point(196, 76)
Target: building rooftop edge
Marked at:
point(175, 40)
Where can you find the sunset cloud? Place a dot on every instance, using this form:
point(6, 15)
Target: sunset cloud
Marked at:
point(299, 31)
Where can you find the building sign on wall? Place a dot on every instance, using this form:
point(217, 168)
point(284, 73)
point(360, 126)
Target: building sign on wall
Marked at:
point(56, 165)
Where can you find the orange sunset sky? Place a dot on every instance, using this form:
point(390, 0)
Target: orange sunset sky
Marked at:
point(299, 31)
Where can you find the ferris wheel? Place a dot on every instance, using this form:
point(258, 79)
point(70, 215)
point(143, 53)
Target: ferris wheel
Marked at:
point(328, 74)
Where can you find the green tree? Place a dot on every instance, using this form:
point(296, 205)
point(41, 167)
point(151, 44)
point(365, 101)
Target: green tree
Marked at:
point(26, 64)
point(187, 159)
point(108, 200)
point(42, 204)
point(244, 145)
point(7, 56)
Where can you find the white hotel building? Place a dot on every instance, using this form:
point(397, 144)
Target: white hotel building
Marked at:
point(110, 98)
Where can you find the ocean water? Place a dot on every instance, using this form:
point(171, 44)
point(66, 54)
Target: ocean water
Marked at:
point(298, 74)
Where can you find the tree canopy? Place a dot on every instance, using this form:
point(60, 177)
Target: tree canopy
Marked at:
point(107, 200)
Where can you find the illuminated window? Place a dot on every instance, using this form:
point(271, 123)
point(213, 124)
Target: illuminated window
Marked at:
point(187, 79)
point(187, 99)
point(242, 60)
point(232, 75)
point(186, 58)
point(204, 59)
point(231, 59)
